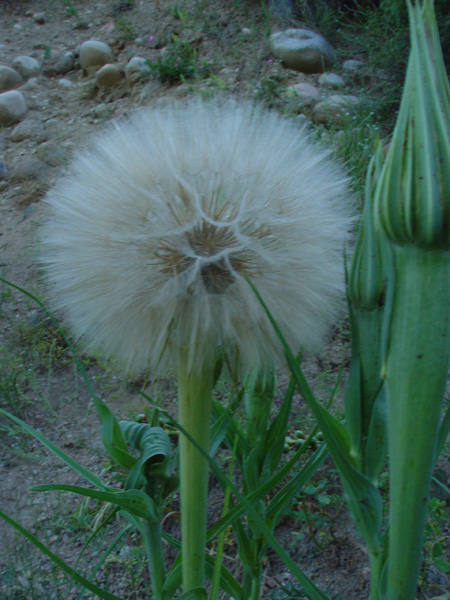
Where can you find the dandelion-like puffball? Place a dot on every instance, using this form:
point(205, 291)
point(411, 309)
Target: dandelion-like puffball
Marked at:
point(159, 223)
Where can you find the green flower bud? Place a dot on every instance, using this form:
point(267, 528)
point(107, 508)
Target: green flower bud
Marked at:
point(366, 280)
point(412, 201)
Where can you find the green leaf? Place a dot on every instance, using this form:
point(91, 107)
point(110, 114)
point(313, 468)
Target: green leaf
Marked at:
point(103, 557)
point(110, 431)
point(442, 565)
point(277, 430)
point(136, 502)
point(153, 469)
point(364, 499)
point(73, 464)
point(59, 562)
point(194, 594)
point(309, 587)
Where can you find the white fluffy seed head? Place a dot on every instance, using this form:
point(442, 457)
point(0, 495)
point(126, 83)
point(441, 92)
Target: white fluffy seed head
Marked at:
point(155, 229)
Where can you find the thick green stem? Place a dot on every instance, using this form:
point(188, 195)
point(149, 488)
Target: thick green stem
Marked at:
point(194, 406)
point(376, 568)
point(416, 367)
point(155, 555)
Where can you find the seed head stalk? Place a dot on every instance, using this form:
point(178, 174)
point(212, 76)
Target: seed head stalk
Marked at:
point(194, 413)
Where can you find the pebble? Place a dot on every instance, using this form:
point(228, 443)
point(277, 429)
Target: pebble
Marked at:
point(331, 80)
point(65, 83)
point(27, 66)
point(29, 168)
point(39, 18)
point(101, 110)
point(12, 107)
point(4, 171)
point(31, 84)
point(307, 94)
point(9, 79)
point(334, 108)
point(65, 64)
point(26, 129)
point(136, 69)
point(246, 32)
point(353, 66)
point(108, 76)
point(302, 50)
point(52, 154)
point(94, 53)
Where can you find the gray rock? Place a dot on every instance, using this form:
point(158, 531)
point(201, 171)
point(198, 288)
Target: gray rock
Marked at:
point(95, 54)
point(4, 171)
point(39, 18)
point(108, 76)
point(26, 129)
point(307, 94)
point(12, 107)
point(29, 168)
point(101, 110)
point(302, 50)
point(353, 66)
point(136, 69)
point(334, 108)
point(64, 64)
point(31, 84)
point(9, 79)
point(27, 66)
point(52, 154)
point(65, 83)
point(331, 80)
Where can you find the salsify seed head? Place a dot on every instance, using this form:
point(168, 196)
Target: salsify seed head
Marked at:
point(156, 228)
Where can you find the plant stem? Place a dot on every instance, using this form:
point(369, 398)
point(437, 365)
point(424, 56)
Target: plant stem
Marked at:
point(155, 555)
point(376, 566)
point(416, 367)
point(194, 406)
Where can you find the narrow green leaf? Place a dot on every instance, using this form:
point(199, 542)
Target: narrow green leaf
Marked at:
point(364, 499)
point(110, 431)
point(136, 502)
point(59, 562)
point(73, 464)
point(194, 594)
point(103, 557)
point(310, 588)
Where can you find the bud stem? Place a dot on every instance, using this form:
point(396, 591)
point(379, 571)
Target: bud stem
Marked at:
point(415, 368)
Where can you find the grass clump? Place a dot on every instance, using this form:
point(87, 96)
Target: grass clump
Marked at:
point(179, 62)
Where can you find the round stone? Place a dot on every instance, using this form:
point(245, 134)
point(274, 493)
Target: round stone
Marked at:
point(12, 107)
point(331, 80)
point(27, 66)
point(307, 94)
point(108, 76)
point(137, 68)
point(302, 50)
point(9, 79)
point(334, 108)
point(95, 54)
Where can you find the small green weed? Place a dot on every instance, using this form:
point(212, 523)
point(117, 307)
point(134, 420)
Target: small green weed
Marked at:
point(437, 539)
point(124, 28)
point(71, 11)
point(179, 62)
point(41, 344)
point(316, 509)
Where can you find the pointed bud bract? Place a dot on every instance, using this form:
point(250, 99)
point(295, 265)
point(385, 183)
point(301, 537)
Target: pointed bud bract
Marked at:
point(366, 280)
point(412, 201)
